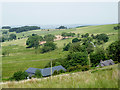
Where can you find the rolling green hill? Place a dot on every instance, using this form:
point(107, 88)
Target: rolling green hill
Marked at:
point(21, 58)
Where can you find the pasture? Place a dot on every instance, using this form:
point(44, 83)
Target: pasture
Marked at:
point(21, 58)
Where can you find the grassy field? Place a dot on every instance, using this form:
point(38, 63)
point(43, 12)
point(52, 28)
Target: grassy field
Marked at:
point(21, 58)
point(106, 77)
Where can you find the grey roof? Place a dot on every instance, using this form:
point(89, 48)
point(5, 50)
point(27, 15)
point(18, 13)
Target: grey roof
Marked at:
point(106, 63)
point(45, 71)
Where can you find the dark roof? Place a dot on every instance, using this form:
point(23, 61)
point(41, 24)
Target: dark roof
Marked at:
point(45, 71)
point(106, 63)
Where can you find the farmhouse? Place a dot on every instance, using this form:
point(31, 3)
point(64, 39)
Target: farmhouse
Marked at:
point(45, 72)
point(106, 63)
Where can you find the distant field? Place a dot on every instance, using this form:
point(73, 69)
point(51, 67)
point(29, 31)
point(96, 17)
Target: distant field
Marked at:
point(106, 77)
point(21, 58)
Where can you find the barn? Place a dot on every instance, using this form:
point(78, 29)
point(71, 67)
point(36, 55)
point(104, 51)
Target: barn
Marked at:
point(106, 63)
point(45, 72)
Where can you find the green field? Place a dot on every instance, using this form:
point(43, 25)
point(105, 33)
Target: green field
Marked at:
point(21, 58)
point(106, 77)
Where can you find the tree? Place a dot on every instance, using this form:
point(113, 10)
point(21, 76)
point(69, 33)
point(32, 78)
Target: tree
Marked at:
point(6, 27)
point(49, 46)
point(62, 27)
point(20, 75)
point(76, 47)
point(33, 41)
point(78, 35)
point(38, 73)
point(86, 35)
point(23, 29)
point(97, 56)
point(102, 37)
point(64, 34)
point(49, 38)
point(90, 48)
point(114, 51)
point(76, 58)
point(66, 48)
point(4, 32)
point(75, 40)
point(12, 36)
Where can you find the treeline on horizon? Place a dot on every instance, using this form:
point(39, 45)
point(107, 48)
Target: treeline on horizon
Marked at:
point(23, 28)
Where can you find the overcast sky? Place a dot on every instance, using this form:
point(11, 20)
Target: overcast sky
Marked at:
point(52, 13)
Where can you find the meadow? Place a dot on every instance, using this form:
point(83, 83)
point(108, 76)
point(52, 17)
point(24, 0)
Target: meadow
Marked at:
point(106, 77)
point(21, 58)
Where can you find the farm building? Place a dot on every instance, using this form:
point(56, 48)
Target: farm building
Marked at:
point(106, 63)
point(45, 72)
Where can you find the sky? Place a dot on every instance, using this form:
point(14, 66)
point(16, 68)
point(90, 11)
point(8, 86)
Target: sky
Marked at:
point(54, 13)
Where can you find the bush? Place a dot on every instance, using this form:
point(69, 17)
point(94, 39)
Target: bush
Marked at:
point(70, 69)
point(55, 72)
point(66, 48)
point(49, 46)
point(33, 41)
point(12, 36)
point(49, 38)
point(19, 76)
point(75, 40)
point(95, 57)
point(5, 53)
point(102, 37)
point(38, 73)
point(85, 68)
point(61, 71)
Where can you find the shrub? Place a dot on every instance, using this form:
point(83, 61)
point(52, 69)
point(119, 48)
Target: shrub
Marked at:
point(102, 37)
point(55, 72)
point(66, 48)
point(70, 69)
point(75, 40)
point(38, 73)
point(19, 76)
point(49, 46)
point(97, 56)
point(85, 68)
point(61, 71)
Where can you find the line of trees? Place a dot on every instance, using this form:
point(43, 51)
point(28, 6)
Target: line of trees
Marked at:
point(6, 27)
point(34, 41)
point(10, 37)
point(62, 27)
point(23, 29)
point(65, 34)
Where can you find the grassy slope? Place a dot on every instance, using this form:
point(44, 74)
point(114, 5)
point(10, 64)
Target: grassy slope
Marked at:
point(21, 58)
point(107, 78)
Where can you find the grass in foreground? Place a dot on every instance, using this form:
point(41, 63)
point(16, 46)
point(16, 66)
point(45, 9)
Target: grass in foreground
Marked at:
point(106, 77)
